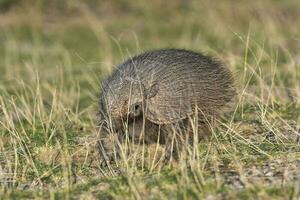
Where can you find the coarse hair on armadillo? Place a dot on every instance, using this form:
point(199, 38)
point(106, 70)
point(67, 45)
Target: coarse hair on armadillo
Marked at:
point(169, 84)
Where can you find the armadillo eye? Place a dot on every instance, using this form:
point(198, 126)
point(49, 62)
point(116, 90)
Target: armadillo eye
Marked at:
point(137, 107)
point(136, 110)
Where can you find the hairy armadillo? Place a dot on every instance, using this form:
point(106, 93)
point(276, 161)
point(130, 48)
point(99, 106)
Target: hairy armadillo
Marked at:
point(160, 89)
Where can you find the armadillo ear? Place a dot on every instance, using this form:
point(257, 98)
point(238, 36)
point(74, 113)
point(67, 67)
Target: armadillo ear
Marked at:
point(152, 91)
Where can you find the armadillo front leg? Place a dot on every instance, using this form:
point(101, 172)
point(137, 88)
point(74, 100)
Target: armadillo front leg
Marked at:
point(175, 140)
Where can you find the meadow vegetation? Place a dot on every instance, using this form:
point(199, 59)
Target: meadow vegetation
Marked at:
point(54, 54)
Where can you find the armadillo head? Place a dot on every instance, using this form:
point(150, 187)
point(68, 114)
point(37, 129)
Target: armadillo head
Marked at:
point(121, 100)
point(125, 98)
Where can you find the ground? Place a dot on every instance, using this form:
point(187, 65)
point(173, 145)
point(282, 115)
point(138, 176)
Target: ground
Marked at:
point(54, 54)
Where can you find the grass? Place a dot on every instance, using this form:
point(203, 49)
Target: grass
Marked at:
point(54, 54)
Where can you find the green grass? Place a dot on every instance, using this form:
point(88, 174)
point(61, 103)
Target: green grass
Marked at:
point(53, 56)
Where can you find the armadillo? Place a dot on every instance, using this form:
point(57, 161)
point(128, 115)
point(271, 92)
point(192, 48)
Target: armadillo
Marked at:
point(150, 92)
